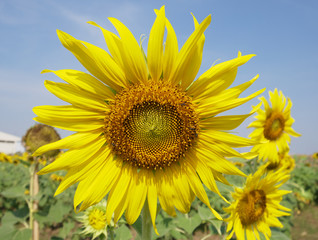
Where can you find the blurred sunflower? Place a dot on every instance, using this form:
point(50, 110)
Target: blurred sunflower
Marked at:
point(315, 155)
point(56, 177)
point(94, 220)
point(256, 207)
point(285, 161)
point(273, 127)
point(145, 128)
point(5, 158)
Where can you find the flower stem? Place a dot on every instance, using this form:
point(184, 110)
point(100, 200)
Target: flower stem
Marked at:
point(146, 223)
point(111, 233)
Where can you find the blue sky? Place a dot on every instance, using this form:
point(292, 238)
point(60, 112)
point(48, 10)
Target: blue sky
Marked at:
point(283, 34)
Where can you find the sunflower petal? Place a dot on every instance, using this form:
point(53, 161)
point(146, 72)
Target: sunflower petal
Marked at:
point(155, 46)
point(186, 53)
point(131, 53)
point(95, 60)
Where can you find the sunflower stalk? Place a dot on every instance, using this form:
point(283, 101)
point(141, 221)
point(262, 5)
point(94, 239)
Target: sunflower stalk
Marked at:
point(33, 204)
point(111, 233)
point(146, 223)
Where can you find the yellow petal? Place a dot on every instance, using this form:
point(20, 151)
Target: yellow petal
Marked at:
point(186, 52)
point(212, 109)
point(230, 139)
point(96, 60)
point(193, 63)
point(131, 53)
point(114, 44)
point(165, 193)
point(118, 191)
point(78, 172)
point(155, 46)
point(69, 118)
point(74, 141)
point(152, 199)
point(226, 122)
point(207, 178)
point(94, 188)
point(198, 189)
point(137, 195)
point(170, 52)
point(75, 96)
point(217, 78)
point(75, 157)
point(84, 81)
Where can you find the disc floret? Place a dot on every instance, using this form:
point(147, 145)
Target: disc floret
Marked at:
point(151, 125)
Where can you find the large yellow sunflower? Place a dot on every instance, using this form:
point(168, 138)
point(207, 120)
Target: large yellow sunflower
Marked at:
point(273, 127)
point(145, 129)
point(256, 207)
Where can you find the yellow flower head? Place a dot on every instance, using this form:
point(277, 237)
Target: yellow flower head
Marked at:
point(94, 220)
point(145, 129)
point(315, 155)
point(285, 161)
point(5, 158)
point(56, 177)
point(273, 127)
point(256, 206)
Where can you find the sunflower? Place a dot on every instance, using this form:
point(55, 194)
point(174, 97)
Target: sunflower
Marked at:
point(56, 177)
point(94, 220)
point(273, 127)
point(145, 130)
point(285, 161)
point(257, 205)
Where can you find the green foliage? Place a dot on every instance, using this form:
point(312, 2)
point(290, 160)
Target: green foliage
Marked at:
point(56, 214)
point(305, 183)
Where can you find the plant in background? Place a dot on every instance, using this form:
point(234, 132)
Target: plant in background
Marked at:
point(273, 127)
point(56, 177)
point(40, 135)
point(145, 130)
point(256, 206)
point(35, 137)
point(5, 158)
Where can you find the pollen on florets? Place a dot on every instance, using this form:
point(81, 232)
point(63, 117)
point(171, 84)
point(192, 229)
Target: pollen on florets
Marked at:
point(151, 125)
point(274, 126)
point(252, 206)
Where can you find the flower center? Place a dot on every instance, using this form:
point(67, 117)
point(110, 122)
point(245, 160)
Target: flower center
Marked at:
point(274, 126)
point(251, 207)
point(151, 125)
point(97, 219)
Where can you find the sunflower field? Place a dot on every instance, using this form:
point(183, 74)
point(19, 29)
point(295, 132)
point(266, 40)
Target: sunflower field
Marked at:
point(57, 219)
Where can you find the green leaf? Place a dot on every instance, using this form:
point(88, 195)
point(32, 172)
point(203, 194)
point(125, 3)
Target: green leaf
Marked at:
point(55, 215)
point(23, 234)
point(217, 225)
point(190, 223)
point(123, 233)
point(22, 212)
point(7, 231)
point(56, 238)
point(67, 227)
point(164, 225)
point(13, 192)
point(9, 219)
point(205, 213)
point(177, 234)
point(276, 235)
